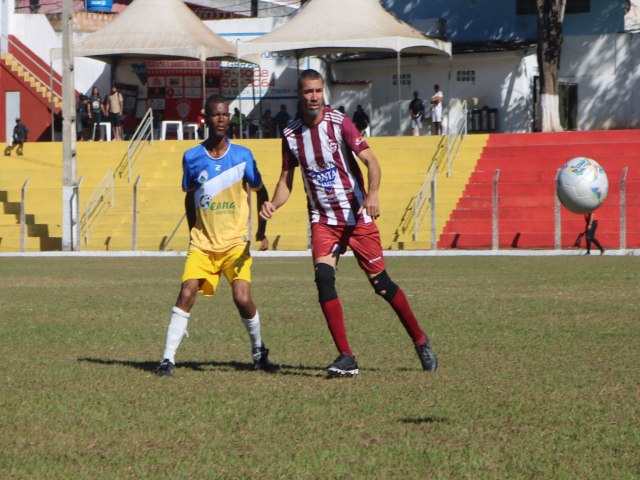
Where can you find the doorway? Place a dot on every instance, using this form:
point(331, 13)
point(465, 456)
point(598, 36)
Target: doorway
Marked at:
point(568, 104)
point(12, 111)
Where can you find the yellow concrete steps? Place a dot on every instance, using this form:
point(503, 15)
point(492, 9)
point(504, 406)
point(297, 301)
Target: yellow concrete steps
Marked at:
point(448, 191)
point(404, 162)
point(29, 79)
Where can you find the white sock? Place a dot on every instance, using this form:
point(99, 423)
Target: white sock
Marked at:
point(253, 329)
point(177, 329)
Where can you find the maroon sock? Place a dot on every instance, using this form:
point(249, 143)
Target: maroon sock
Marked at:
point(401, 306)
point(332, 310)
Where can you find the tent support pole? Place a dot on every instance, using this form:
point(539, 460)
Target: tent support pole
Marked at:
point(399, 94)
point(204, 74)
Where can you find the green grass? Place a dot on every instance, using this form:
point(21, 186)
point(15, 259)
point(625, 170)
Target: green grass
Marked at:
point(539, 373)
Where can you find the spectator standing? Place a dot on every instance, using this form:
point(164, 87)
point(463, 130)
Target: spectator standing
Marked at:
point(20, 132)
point(115, 109)
point(201, 121)
point(436, 110)
point(268, 124)
point(361, 119)
point(282, 119)
point(94, 110)
point(342, 213)
point(416, 110)
point(82, 117)
point(238, 121)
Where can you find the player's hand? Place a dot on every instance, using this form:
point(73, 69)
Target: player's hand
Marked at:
point(267, 210)
point(264, 244)
point(371, 205)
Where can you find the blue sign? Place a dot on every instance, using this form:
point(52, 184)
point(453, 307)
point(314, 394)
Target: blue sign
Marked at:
point(99, 5)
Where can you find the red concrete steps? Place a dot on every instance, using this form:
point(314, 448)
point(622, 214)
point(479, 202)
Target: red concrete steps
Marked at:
point(527, 205)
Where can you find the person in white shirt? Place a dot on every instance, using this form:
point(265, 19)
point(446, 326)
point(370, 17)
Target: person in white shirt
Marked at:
point(436, 110)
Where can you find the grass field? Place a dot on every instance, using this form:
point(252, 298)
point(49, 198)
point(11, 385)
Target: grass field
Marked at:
point(539, 373)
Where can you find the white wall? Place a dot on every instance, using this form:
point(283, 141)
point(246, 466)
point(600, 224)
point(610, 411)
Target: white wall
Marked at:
point(605, 68)
point(35, 31)
point(501, 80)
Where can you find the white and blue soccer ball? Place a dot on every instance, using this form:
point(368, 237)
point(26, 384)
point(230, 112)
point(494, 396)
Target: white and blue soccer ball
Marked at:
point(582, 185)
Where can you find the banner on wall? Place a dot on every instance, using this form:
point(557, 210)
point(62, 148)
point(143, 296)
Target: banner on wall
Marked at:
point(174, 87)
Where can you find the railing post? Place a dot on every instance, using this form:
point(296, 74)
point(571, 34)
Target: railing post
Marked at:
point(134, 216)
point(53, 104)
point(433, 210)
point(495, 240)
point(23, 216)
point(558, 220)
point(623, 209)
point(75, 215)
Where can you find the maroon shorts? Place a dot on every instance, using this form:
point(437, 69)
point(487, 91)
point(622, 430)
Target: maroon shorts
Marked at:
point(363, 239)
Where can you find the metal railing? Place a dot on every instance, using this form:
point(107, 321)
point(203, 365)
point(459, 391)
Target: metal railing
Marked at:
point(165, 243)
point(49, 83)
point(455, 140)
point(102, 198)
point(424, 200)
point(623, 209)
point(143, 133)
point(23, 216)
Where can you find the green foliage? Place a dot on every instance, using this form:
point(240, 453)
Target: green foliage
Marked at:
point(539, 374)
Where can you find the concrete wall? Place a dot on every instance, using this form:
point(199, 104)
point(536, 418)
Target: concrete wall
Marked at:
point(483, 20)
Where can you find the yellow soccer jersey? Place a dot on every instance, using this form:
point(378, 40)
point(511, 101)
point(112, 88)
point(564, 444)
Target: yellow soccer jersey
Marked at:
point(222, 208)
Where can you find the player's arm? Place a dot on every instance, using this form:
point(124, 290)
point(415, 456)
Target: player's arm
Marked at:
point(190, 208)
point(262, 196)
point(280, 196)
point(374, 175)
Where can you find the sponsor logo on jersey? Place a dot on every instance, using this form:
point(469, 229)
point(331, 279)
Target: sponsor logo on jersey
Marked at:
point(222, 207)
point(325, 178)
point(359, 140)
point(204, 201)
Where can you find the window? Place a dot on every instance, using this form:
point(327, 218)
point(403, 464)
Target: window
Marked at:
point(528, 7)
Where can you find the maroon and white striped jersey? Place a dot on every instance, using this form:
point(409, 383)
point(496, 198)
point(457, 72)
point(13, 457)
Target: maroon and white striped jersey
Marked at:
point(330, 172)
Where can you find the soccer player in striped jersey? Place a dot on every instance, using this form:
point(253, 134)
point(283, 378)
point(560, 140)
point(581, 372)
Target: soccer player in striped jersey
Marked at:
point(214, 177)
point(324, 143)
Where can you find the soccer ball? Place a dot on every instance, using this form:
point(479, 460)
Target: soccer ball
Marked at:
point(582, 185)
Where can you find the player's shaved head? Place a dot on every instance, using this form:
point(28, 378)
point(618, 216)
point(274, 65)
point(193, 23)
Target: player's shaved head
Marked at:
point(214, 99)
point(308, 74)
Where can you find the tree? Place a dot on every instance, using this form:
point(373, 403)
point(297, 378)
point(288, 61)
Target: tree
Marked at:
point(550, 16)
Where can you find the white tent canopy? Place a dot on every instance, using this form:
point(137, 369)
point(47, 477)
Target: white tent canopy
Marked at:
point(338, 26)
point(152, 28)
point(323, 27)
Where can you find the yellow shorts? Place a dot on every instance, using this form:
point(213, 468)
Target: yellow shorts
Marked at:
point(235, 264)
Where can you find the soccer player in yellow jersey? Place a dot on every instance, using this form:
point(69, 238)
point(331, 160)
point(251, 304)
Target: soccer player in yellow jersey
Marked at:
point(215, 174)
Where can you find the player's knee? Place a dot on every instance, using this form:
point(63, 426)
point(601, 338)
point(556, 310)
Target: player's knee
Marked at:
point(384, 286)
point(326, 282)
point(187, 296)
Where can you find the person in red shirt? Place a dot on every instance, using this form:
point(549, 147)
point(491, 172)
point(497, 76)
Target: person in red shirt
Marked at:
point(590, 227)
point(324, 143)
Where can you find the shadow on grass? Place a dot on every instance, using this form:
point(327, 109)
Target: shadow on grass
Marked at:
point(428, 419)
point(151, 366)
